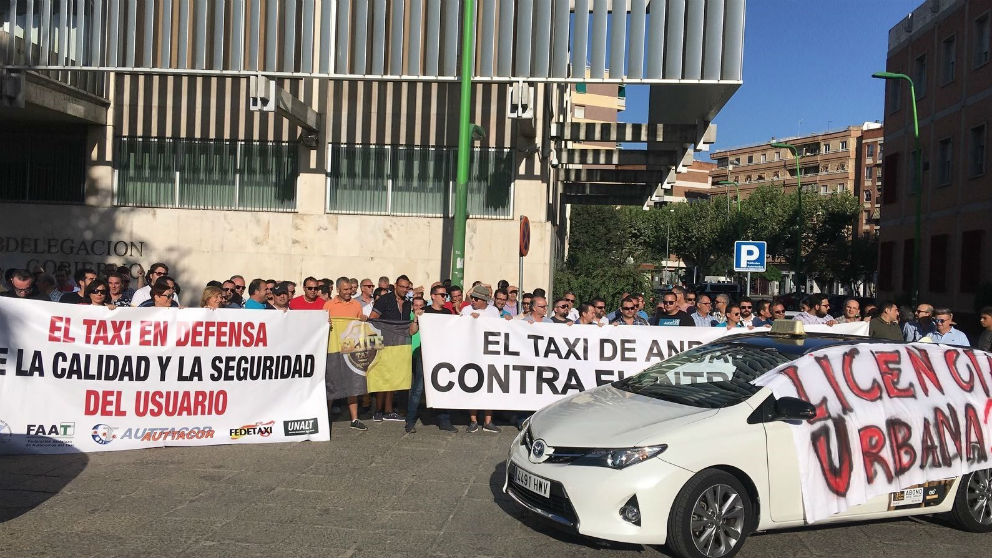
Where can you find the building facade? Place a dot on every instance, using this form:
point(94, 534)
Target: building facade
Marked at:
point(286, 139)
point(945, 48)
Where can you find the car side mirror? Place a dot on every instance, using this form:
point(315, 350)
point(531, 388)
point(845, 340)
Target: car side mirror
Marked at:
point(793, 408)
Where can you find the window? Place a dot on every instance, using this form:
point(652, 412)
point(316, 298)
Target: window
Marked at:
point(878, 173)
point(944, 161)
point(920, 75)
point(938, 263)
point(414, 180)
point(776, 175)
point(763, 157)
point(886, 257)
point(891, 168)
point(42, 164)
point(980, 52)
point(869, 172)
point(778, 156)
point(841, 188)
point(949, 58)
point(750, 159)
point(976, 155)
point(843, 145)
point(826, 147)
point(867, 195)
point(580, 87)
point(580, 111)
point(824, 189)
point(971, 261)
point(894, 90)
point(206, 174)
point(870, 150)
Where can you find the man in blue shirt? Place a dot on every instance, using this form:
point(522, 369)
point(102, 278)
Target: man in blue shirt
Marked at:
point(945, 332)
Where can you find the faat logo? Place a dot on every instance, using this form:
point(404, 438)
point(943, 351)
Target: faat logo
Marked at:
point(300, 427)
point(65, 430)
point(263, 429)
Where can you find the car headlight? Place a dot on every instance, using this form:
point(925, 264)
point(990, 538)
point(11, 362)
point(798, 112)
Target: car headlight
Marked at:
point(619, 458)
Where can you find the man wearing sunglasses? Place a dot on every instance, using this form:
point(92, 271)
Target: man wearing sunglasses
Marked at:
point(156, 271)
point(627, 315)
point(560, 311)
point(310, 299)
point(922, 326)
point(748, 318)
point(945, 331)
point(227, 296)
point(702, 317)
point(667, 313)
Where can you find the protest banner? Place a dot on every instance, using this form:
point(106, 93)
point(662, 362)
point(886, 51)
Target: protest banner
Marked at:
point(88, 378)
point(888, 417)
point(368, 356)
point(497, 364)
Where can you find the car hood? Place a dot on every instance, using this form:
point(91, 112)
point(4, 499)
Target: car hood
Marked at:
point(608, 417)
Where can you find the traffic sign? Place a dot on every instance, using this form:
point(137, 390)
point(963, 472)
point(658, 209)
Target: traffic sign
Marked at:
point(524, 236)
point(750, 255)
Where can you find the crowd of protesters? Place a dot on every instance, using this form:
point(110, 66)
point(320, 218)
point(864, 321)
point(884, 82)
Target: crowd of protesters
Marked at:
point(364, 299)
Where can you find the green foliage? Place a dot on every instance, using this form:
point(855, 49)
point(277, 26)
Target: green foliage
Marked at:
point(702, 234)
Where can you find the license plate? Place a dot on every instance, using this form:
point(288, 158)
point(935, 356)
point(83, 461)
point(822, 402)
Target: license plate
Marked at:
point(532, 482)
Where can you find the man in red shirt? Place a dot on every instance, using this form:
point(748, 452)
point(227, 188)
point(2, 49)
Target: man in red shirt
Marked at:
point(309, 299)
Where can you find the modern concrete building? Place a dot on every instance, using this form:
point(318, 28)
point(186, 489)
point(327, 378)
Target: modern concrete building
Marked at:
point(289, 138)
point(945, 48)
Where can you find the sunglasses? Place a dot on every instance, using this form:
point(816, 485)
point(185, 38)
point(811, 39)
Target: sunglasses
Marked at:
point(100, 291)
point(368, 286)
point(746, 307)
point(778, 311)
point(228, 290)
point(572, 300)
point(239, 287)
point(693, 299)
point(313, 288)
point(600, 307)
point(627, 307)
point(941, 320)
point(562, 306)
point(668, 302)
point(440, 293)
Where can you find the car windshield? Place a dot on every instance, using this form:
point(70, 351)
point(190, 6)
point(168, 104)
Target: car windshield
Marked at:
point(712, 376)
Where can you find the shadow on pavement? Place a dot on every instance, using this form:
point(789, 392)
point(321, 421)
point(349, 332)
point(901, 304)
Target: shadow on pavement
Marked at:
point(543, 525)
point(28, 480)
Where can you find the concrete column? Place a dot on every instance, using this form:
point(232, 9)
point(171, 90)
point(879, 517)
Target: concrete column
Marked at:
point(311, 191)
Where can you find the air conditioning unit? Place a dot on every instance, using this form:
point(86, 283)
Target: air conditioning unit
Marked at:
point(520, 102)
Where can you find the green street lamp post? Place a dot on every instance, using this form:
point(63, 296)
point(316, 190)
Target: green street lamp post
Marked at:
point(917, 177)
point(465, 129)
point(799, 214)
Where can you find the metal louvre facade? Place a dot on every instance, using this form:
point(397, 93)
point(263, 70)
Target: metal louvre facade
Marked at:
point(632, 41)
point(417, 181)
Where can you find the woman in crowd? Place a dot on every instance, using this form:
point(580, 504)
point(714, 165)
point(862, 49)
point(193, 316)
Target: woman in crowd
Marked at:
point(213, 298)
point(97, 294)
point(161, 296)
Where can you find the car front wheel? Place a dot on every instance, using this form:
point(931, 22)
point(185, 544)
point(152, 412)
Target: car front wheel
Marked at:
point(972, 509)
point(710, 516)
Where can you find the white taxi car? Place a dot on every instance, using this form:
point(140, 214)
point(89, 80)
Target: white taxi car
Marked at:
point(697, 466)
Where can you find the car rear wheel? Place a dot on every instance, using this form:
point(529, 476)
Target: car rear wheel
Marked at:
point(710, 517)
point(972, 509)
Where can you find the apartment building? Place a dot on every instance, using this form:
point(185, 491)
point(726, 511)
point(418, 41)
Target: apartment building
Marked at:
point(945, 48)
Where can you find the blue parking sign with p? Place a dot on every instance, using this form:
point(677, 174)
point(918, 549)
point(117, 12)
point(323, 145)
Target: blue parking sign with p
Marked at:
point(749, 255)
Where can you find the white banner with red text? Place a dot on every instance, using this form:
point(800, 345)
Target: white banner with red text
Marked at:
point(497, 364)
point(888, 417)
point(79, 378)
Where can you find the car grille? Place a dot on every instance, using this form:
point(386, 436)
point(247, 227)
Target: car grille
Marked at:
point(557, 503)
point(559, 455)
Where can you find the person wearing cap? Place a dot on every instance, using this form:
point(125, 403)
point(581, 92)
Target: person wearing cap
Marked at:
point(479, 298)
point(280, 296)
point(945, 331)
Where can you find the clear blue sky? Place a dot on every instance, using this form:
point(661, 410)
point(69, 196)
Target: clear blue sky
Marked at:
point(807, 68)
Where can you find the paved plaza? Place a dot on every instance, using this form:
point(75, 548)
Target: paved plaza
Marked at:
point(374, 493)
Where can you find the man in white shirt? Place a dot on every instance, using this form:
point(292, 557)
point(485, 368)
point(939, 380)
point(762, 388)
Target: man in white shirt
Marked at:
point(479, 298)
point(156, 270)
